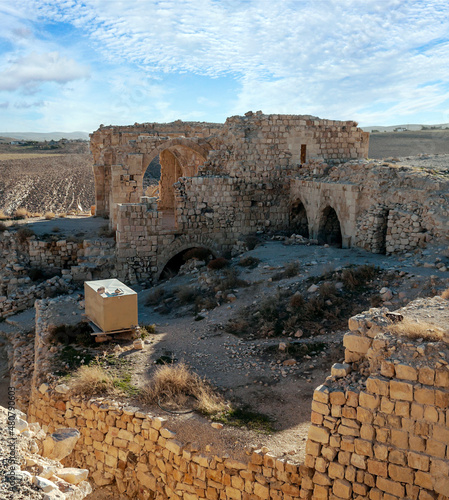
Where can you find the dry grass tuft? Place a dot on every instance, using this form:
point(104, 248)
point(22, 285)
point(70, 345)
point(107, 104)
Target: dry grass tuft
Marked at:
point(91, 380)
point(414, 329)
point(3, 216)
point(176, 383)
point(49, 215)
point(21, 213)
point(445, 294)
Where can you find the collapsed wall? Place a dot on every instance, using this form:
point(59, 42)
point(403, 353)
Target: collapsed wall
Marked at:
point(26, 262)
point(382, 431)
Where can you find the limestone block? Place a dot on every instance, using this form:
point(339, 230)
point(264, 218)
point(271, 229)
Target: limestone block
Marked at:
point(72, 475)
point(60, 444)
point(340, 370)
point(44, 484)
point(356, 343)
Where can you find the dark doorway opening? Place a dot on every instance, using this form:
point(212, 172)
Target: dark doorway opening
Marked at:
point(174, 264)
point(330, 230)
point(303, 153)
point(299, 222)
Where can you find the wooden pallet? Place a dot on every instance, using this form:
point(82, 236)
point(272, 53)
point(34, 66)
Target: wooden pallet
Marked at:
point(101, 336)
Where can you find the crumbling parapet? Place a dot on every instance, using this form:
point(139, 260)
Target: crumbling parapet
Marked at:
point(382, 431)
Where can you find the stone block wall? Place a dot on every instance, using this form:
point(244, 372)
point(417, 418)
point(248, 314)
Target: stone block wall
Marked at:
point(382, 432)
point(143, 457)
point(70, 261)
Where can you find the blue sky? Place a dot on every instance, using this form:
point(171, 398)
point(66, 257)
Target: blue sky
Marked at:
point(70, 65)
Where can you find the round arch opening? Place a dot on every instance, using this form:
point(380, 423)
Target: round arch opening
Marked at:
point(299, 222)
point(166, 165)
point(330, 230)
point(173, 266)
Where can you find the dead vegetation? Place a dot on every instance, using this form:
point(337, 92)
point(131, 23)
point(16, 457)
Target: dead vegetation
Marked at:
point(414, 329)
point(175, 386)
point(294, 309)
point(91, 380)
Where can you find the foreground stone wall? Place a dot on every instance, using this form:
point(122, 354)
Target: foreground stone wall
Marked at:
point(382, 432)
point(135, 450)
point(144, 458)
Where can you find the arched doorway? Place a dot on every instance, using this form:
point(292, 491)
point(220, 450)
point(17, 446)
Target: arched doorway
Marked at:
point(172, 267)
point(330, 230)
point(299, 222)
point(166, 165)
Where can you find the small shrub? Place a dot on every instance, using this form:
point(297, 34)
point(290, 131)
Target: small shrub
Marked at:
point(55, 229)
point(445, 294)
point(187, 294)
point(249, 261)
point(176, 383)
point(155, 297)
point(196, 253)
point(218, 263)
point(229, 280)
point(62, 216)
point(21, 213)
point(358, 277)
point(146, 331)
point(23, 234)
point(291, 269)
point(416, 330)
point(49, 215)
point(327, 291)
point(91, 380)
point(297, 301)
point(3, 227)
point(251, 241)
point(3, 216)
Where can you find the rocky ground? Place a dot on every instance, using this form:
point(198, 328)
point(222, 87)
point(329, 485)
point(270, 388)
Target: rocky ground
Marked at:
point(25, 473)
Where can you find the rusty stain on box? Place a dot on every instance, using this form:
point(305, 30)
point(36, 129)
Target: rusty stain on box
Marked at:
point(110, 305)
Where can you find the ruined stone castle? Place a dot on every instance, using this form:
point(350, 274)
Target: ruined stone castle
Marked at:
point(254, 173)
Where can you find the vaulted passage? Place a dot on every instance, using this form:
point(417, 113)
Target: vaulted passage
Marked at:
point(330, 231)
point(174, 264)
point(299, 222)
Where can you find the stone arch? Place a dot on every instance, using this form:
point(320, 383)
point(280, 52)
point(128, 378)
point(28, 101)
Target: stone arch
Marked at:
point(299, 221)
point(179, 157)
point(329, 228)
point(182, 244)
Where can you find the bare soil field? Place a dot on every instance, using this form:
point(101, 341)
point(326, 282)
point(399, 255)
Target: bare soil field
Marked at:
point(43, 181)
point(402, 144)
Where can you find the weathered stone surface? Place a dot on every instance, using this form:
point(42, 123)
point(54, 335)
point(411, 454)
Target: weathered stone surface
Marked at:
point(60, 444)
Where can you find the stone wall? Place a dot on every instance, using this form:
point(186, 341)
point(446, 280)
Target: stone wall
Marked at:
point(143, 457)
point(68, 262)
point(136, 450)
point(382, 431)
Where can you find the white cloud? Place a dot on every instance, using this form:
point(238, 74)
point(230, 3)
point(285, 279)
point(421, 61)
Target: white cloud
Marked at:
point(36, 68)
point(332, 58)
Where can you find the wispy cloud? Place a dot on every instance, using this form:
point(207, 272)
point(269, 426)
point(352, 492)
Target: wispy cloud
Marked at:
point(37, 68)
point(368, 60)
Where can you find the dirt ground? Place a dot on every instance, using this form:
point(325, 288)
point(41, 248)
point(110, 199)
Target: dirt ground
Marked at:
point(403, 144)
point(43, 181)
point(245, 370)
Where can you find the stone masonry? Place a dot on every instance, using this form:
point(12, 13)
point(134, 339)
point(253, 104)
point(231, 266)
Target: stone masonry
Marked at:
point(255, 173)
point(382, 431)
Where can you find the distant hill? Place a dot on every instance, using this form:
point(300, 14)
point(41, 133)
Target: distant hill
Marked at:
point(46, 136)
point(409, 126)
